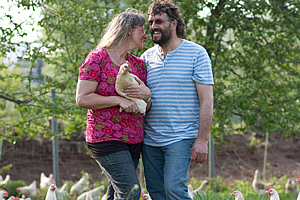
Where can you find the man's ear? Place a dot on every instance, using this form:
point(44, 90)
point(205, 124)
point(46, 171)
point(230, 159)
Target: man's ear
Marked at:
point(174, 22)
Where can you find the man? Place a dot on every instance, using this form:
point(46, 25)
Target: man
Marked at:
point(177, 126)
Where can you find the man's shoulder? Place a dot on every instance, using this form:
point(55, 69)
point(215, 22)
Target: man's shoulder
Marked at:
point(191, 44)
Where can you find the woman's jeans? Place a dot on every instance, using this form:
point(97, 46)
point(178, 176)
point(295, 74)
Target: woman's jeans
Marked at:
point(120, 170)
point(166, 170)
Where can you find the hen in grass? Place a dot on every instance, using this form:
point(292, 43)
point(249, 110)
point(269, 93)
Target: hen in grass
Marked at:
point(258, 185)
point(3, 194)
point(80, 186)
point(237, 195)
point(51, 195)
point(272, 193)
point(291, 187)
point(28, 191)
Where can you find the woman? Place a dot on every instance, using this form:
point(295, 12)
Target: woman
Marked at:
point(115, 137)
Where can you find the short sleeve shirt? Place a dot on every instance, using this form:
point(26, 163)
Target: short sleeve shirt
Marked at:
point(109, 124)
point(174, 113)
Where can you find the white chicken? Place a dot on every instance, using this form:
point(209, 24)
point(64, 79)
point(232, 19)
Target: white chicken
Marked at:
point(272, 193)
point(298, 180)
point(28, 191)
point(3, 194)
point(237, 195)
point(145, 196)
point(190, 191)
point(11, 198)
point(80, 185)
point(22, 198)
point(258, 185)
point(45, 181)
point(104, 197)
point(51, 195)
point(124, 79)
point(88, 196)
point(95, 193)
point(291, 187)
point(64, 187)
point(62, 193)
point(7, 178)
point(200, 190)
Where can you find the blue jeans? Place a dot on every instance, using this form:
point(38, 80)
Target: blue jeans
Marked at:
point(166, 170)
point(120, 170)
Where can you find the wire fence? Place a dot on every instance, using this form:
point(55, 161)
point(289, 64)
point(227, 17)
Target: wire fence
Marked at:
point(30, 157)
point(235, 160)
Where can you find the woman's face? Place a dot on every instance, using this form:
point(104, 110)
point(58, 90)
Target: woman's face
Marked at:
point(138, 36)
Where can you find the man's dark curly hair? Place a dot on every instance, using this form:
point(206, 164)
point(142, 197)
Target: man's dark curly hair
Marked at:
point(168, 7)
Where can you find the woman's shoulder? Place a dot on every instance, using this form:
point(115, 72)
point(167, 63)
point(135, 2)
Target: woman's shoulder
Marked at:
point(99, 51)
point(135, 59)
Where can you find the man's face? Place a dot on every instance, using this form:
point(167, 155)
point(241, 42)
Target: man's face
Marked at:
point(160, 29)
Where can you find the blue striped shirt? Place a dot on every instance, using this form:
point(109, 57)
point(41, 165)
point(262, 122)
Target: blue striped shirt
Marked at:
point(174, 114)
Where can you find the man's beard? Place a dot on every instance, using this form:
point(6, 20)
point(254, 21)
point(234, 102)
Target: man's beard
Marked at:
point(165, 37)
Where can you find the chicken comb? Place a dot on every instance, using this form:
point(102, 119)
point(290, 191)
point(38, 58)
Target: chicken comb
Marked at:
point(234, 190)
point(269, 188)
point(298, 177)
point(143, 194)
point(54, 183)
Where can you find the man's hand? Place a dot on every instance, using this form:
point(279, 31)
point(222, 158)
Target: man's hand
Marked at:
point(199, 151)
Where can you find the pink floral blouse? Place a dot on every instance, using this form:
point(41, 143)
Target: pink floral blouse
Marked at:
point(109, 123)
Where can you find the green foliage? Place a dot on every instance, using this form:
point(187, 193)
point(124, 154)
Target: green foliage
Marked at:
point(11, 187)
point(253, 45)
point(5, 168)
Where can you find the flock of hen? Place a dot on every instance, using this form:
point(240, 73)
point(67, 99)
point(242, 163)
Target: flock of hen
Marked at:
point(54, 193)
point(261, 188)
point(80, 190)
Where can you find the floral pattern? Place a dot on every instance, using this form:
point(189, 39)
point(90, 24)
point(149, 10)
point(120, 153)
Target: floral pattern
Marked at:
point(109, 123)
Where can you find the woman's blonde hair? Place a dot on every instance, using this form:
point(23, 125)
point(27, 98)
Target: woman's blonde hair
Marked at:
point(117, 30)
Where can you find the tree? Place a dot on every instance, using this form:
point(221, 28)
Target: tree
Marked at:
point(253, 45)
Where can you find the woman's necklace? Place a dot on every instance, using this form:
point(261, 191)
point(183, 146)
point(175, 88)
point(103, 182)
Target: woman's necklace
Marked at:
point(119, 63)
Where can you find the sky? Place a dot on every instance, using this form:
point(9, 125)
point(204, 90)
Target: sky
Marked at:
point(19, 15)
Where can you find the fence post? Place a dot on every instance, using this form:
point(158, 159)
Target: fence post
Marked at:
point(265, 156)
point(1, 144)
point(211, 159)
point(55, 145)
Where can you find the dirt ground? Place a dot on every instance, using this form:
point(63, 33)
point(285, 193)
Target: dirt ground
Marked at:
point(238, 159)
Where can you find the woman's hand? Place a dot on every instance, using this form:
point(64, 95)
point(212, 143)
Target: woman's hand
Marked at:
point(140, 91)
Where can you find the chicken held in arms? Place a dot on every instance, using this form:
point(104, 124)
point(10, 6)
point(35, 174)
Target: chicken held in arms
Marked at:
point(125, 79)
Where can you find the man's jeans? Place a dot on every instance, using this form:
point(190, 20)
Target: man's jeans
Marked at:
point(166, 170)
point(120, 170)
